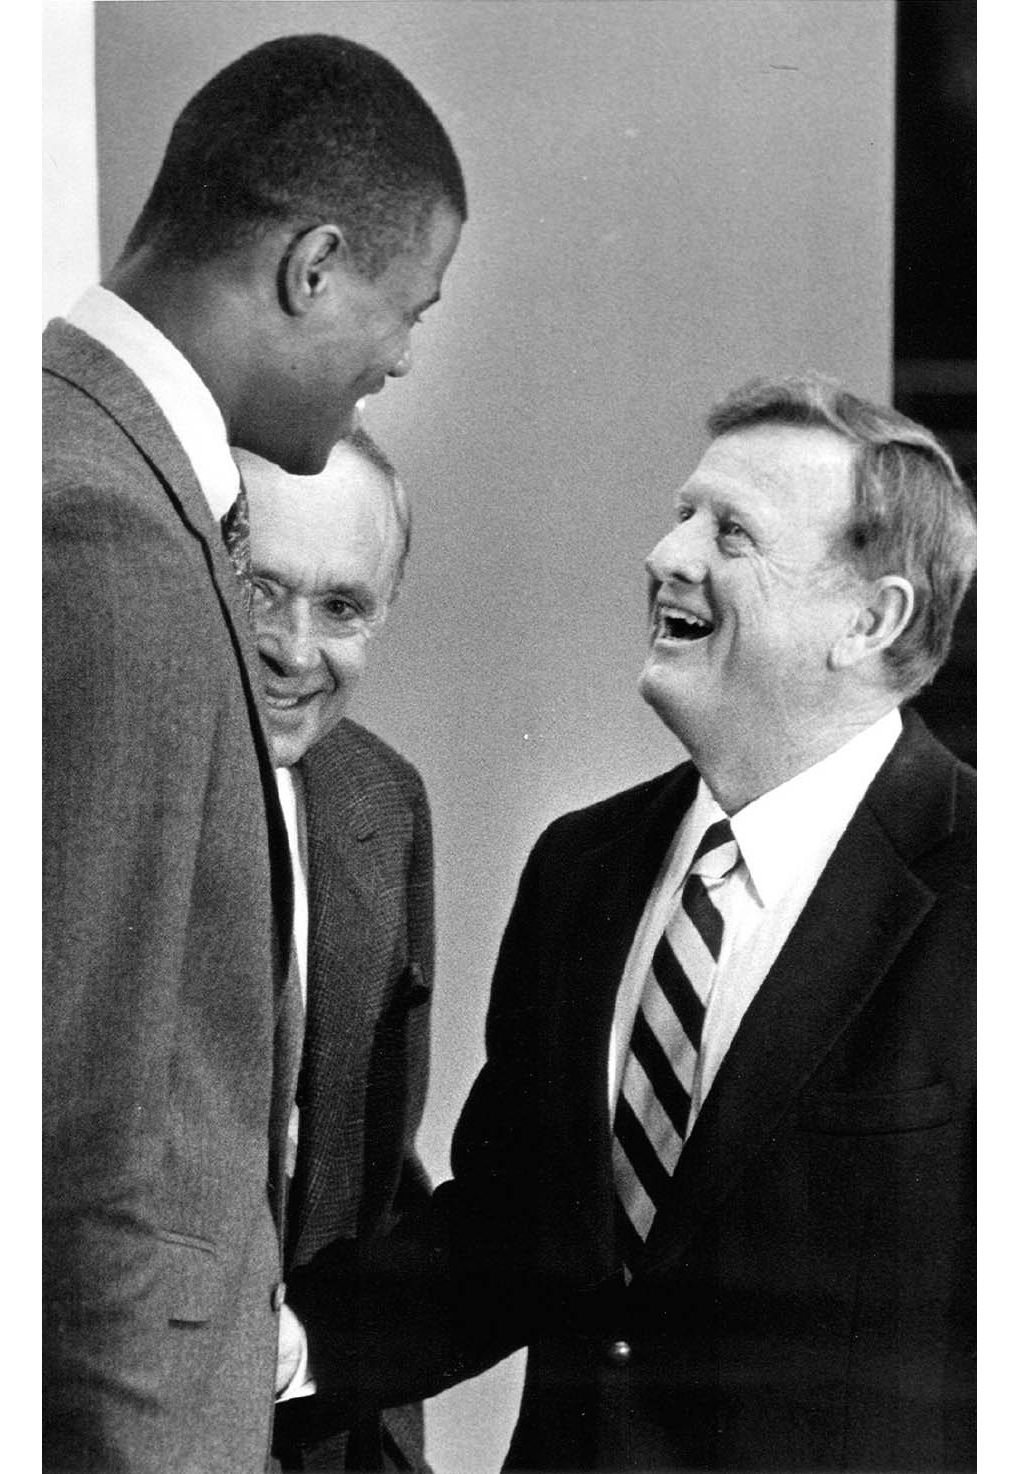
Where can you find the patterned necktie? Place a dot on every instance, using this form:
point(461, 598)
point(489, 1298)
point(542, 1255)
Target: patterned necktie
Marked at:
point(234, 527)
point(659, 1074)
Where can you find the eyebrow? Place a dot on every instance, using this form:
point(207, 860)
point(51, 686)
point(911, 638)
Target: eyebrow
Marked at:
point(723, 501)
point(356, 588)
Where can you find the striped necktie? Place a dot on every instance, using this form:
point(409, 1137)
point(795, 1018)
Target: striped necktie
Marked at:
point(659, 1074)
point(234, 527)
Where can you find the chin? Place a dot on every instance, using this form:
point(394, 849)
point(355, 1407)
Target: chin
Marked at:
point(652, 685)
point(286, 751)
point(656, 688)
point(308, 461)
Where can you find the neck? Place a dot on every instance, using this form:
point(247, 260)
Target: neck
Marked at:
point(738, 772)
point(192, 310)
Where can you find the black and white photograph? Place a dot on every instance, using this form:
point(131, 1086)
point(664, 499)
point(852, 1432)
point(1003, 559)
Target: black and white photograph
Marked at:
point(509, 737)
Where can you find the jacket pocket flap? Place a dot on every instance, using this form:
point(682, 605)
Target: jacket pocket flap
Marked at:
point(194, 1278)
point(852, 1113)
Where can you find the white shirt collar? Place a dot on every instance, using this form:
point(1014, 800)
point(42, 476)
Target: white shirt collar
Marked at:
point(181, 394)
point(791, 826)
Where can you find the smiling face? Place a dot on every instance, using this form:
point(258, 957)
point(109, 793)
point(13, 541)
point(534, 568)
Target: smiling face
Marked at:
point(747, 600)
point(324, 555)
point(349, 337)
point(374, 320)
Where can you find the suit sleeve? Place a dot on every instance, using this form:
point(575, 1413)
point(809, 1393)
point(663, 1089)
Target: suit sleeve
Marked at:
point(124, 712)
point(448, 1293)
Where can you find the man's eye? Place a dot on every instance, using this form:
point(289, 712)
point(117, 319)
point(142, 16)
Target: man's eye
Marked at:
point(732, 529)
point(342, 610)
point(683, 513)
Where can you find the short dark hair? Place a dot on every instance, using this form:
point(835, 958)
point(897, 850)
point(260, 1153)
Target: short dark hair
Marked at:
point(911, 513)
point(309, 129)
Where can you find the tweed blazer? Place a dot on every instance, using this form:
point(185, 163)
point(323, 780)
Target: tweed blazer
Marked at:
point(365, 1068)
point(806, 1299)
point(170, 1049)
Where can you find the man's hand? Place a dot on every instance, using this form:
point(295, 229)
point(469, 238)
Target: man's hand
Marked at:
point(290, 1347)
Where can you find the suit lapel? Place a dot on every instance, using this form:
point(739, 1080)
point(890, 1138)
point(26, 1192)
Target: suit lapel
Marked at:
point(612, 882)
point(865, 908)
point(82, 361)
point(347, 972)
point(74, 356)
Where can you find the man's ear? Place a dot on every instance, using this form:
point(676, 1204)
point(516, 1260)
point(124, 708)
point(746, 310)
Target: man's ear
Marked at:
point(882, 615)
point(306, 267)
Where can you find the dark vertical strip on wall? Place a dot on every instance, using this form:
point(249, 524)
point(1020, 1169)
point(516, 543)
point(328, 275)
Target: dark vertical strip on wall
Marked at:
point(935, 236)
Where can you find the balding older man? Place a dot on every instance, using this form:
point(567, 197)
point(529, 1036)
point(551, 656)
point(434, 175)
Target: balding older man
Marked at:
point(328, 556)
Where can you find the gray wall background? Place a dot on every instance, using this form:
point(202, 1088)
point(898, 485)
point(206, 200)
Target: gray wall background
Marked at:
point(666, 197)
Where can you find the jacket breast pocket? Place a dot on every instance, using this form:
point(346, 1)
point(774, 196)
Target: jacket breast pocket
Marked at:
point(193, 1278)
point(853, 1113)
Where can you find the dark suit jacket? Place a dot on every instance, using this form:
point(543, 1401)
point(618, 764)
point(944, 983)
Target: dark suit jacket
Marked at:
point(366, 1062)
point(167, 896)
point(806, 1301)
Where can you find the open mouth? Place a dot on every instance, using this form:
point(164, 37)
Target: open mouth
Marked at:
point(678, 624)
point(289, 703)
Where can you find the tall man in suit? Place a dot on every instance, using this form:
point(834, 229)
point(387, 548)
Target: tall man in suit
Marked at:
point(328, 555)
point(717, 1170)
point(307, 206)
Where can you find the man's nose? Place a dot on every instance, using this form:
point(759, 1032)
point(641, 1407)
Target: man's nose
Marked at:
point(287, 642)
point(403, 364)
point(683, 554)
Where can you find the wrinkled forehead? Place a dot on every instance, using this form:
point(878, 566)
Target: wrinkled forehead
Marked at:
point(327, 527)
point(788, 469)
point(316, 504)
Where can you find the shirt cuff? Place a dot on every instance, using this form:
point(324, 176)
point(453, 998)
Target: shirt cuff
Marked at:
point(302, 1384)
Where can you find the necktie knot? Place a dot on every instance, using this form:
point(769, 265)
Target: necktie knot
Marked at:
point(235, 532)
point(717, 854)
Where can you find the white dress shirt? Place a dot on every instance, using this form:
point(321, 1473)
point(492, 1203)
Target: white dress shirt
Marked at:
point(185, 400)
point(292, 800)
point(785, 838)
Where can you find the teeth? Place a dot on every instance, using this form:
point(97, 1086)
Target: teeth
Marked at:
point(283, 703)
point(673, 617)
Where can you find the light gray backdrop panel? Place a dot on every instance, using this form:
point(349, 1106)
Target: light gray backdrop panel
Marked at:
point(666, 197)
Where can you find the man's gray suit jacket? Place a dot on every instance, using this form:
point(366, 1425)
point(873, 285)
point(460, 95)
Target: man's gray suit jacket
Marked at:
point(170, 1051)
point(366, 1060)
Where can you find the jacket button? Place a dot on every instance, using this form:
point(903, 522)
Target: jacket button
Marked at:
point(278, 1295)
point(619, 1352)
